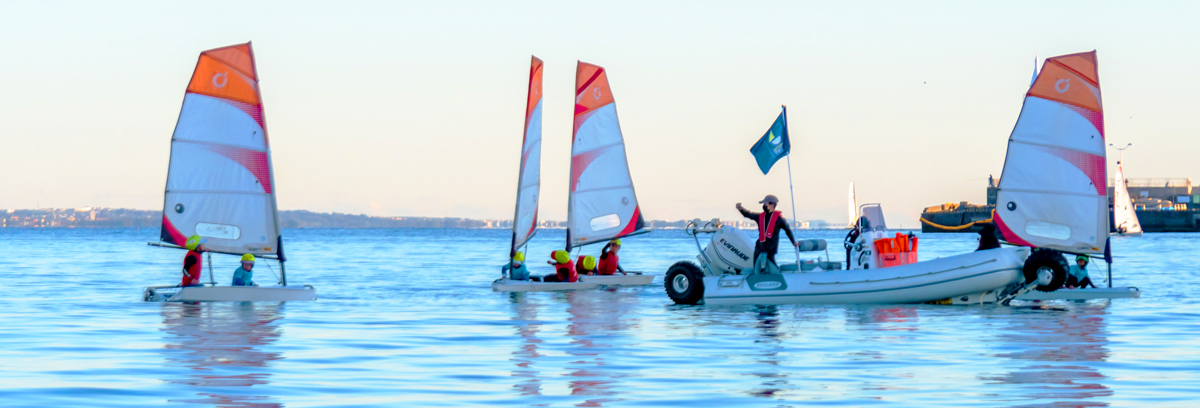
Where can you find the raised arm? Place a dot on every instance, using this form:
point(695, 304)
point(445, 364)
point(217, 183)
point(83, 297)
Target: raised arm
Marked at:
point(746, 213)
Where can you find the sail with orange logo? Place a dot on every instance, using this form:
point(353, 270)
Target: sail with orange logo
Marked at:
point(220, 183)
point(529, 177)
point(1053, 191)
point(602, 204)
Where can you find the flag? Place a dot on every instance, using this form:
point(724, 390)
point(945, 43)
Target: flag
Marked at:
point(773, 145)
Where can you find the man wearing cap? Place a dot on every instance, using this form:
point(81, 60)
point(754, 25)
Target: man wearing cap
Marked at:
point(769, 224)
point(193, 262)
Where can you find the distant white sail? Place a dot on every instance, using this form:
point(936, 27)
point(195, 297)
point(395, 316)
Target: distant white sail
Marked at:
point(602, 204)
point(853, 203)
point(1124, 218)
point(529, 178)
point(220, 183)
point(1053, 191)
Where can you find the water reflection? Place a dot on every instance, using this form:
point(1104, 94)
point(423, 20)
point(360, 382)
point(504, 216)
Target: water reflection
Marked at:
point(1049, 341)
point(525, 313)
point(597, 321)
point(770, 342)
point(221, 343)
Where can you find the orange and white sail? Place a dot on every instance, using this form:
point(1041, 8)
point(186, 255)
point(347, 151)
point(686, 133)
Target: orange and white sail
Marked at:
point(602, 204)
point(1125, 220)
point(1053, 191)
point(220, 183)
point(529, 177)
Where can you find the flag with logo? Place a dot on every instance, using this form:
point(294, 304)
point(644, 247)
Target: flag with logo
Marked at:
point(773, 145)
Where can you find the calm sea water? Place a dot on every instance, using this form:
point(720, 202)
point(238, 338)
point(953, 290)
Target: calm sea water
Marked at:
point(407, 318)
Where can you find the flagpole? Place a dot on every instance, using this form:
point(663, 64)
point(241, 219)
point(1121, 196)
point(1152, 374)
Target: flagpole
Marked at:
point(791, 189)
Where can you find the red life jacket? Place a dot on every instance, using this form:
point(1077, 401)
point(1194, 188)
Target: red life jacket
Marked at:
point(766, 229)
point(608, 264)
point(194, 270)
point(566, 272)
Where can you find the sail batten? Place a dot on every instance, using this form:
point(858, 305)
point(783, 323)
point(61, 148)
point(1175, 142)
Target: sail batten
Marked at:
point(529, 175)
point(1053, 190)
point(602, 203)
point(220, 182)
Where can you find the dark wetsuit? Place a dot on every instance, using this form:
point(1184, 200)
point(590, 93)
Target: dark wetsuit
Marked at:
point(987, 237)
point(771, 245)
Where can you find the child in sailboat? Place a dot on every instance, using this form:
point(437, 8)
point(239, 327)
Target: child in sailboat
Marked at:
point(193, 262)
point(610, 264)
point(564, 269)
point(516, 268)
point(585, 265)
point(1077, 275)
point(244, 275)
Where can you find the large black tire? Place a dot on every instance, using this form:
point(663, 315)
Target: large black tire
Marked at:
point(684, 283)
point(1048, 261)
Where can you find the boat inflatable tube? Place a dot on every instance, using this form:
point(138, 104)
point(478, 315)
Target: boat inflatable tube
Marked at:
point(810, 245)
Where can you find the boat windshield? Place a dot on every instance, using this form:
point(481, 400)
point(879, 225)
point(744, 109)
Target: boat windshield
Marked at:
point(871, 217)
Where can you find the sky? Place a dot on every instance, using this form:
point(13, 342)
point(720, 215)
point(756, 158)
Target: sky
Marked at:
point(417, 108)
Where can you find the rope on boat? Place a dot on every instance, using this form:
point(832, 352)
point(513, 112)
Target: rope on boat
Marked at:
point(960, 227)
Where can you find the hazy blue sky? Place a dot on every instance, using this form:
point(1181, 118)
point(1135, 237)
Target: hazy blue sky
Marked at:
point(406, 108)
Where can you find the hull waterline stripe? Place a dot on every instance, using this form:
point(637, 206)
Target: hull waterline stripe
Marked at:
point(862, 291)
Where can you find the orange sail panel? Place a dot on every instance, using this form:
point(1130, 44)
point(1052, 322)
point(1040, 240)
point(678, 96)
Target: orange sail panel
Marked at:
point(220, 183)
point(529, 177)
point(602, 204)
point(1053, 190)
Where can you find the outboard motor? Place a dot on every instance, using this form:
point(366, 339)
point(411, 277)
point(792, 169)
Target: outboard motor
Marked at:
point(730, 251)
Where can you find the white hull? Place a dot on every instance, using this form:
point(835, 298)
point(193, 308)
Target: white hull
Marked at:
point(506, 285)
point(975, 275)
point(618, 279)
point(1084, 294)
point(229, 293)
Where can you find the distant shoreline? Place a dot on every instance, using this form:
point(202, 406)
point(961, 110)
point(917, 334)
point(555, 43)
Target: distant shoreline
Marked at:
point(102, 217)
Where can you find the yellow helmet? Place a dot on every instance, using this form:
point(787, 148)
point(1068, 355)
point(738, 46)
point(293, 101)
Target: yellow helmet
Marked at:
point(193, 242)
point(616, 242)
point(589, 262)
point(561, 257)
point(248, 258)
point(519, 257)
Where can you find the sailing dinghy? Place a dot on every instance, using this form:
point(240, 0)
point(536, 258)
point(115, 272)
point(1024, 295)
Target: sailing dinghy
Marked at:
point(601, 203)
point(220, 182)
point(1125, 220)
point(1052, 200)
point(528, 185)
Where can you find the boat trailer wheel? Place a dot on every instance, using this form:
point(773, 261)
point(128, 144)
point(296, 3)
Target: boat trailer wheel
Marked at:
point(1046, 268)
point(680, 283)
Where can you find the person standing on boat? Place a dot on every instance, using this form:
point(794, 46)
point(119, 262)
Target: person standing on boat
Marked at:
point(193, 262)
point(610, 264)
point(1077, 275)
point(244, 275)
point(769, 224)
point(516, 268)
point(564, 269)
point(586, 265)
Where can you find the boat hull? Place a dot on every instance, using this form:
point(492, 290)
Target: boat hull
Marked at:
point(939, 280)
point(622, 280)
point(506, 285)
point(230, 293)
point(1124, 292)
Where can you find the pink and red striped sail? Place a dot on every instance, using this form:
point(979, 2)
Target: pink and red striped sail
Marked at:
point(602, 203)
point(529, 179)
point(219, 183)
point(1053, 191)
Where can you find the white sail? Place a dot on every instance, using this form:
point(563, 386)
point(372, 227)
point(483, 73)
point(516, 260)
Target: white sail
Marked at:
point(1053, 191)
point(1124, 218)
point(529, 178)
point(853, 204)
point(602, 204)
point(220, 183)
